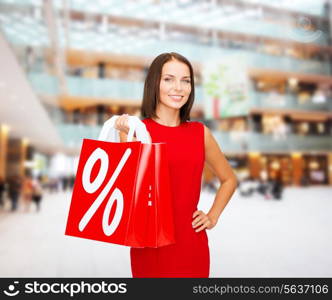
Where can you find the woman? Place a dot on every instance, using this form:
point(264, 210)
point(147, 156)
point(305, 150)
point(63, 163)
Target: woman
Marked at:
point(27, 190)
point(37, 193)
point(167, 101)
point(2, 190)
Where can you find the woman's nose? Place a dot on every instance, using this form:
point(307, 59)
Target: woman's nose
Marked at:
point(178, 86)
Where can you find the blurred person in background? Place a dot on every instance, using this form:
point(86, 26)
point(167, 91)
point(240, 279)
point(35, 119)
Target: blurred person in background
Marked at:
point(264, 189)
point(37, 193)
point(14, 189)
point(211, 185)
point(71, 181)
point(248, 186)
point(53, 185)
point(27, 189)
point(304, 180)
point(264, 185)
point(65, 183)
point(29, 58)
point(2, 190)
point(277, 188)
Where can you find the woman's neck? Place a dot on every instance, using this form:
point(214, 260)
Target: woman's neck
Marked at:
point(167, 116)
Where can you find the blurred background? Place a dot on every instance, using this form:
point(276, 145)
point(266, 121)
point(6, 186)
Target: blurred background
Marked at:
point(263, 86)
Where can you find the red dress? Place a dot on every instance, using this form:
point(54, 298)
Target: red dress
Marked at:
point(189, 256)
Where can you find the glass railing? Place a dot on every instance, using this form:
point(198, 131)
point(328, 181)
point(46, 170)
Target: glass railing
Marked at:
point(251, 141)
point(194, 50)
point(44, 83)
point(280, 31)
point(308, 7)
point(253, 58)
point(132, 90)
point(228, 141)
point(284, 63)
point(95, 88)
point(292, 142)
point(73, 134)
point(105, 88)
point(287, 101)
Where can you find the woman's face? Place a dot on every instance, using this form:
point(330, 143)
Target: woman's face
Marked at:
point(175, 84)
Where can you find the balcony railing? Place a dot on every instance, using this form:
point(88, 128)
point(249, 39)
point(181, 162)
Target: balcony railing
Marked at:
point(254, 59)
point(105, 88)
point(73, 134)
point(132, 90)
point(123, 90)
point(287, 101)
point(251, 141)
point(238, 142)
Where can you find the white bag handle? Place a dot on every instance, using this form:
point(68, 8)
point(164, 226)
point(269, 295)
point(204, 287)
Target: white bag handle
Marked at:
point(110, 134)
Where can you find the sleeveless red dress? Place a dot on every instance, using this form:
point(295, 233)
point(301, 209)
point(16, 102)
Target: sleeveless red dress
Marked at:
point(189, 256)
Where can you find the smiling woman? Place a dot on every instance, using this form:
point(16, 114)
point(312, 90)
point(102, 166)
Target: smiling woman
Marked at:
point(170, 84)
point(174, 87)
point(168, 97)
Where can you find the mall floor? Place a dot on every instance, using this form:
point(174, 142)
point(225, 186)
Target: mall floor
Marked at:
point(254, 238)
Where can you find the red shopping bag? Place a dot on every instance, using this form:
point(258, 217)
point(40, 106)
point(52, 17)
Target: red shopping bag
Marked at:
point(122, 194)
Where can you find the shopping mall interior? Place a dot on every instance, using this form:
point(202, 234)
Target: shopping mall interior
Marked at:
point(263, 86)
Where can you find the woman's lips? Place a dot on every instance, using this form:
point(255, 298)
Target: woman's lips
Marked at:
point(176, 98)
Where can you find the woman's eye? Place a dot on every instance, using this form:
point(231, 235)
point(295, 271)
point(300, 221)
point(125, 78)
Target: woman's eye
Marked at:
point(170, 79)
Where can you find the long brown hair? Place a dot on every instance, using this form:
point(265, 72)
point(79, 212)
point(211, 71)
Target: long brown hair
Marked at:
point(152, 82)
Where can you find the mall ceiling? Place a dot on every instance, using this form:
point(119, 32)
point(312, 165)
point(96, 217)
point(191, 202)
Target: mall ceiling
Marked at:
point(121, 26)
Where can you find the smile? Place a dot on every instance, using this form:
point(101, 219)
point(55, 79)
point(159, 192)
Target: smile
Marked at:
point(176, 97)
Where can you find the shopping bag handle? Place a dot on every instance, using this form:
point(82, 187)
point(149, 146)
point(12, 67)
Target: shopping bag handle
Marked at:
point(110, 134)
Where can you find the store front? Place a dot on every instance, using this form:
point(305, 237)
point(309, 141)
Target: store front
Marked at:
point(315, 169)
point(293, 169)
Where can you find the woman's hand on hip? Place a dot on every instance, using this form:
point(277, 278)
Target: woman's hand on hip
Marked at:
point(203, 221)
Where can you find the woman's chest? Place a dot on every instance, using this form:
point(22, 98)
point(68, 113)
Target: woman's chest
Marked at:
point(184, 147)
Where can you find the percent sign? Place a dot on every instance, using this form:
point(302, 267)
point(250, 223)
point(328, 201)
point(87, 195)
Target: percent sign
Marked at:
point(91, 187)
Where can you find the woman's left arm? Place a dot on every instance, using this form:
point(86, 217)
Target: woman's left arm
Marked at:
point(216, 160)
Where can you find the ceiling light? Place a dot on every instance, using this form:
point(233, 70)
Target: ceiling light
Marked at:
point(293, 81)
point(314, 165)
point(4, 128)
point(296, 154)
point(25, 141)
